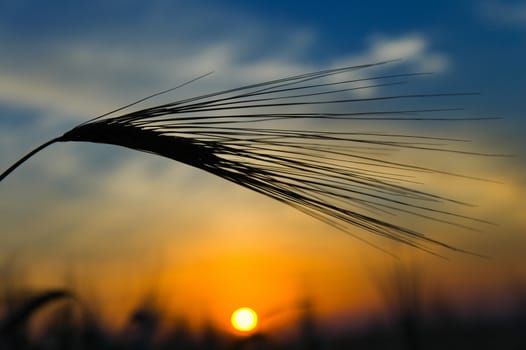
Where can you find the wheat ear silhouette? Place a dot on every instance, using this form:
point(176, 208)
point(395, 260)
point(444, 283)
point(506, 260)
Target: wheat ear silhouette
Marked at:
point(343, 178)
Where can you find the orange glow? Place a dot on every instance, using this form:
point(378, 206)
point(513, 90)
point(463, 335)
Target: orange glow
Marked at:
point(202, 260)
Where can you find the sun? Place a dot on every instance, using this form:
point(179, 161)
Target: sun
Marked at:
point(244, 319)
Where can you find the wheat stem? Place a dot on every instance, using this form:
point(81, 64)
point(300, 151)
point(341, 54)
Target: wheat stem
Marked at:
point(27, 156)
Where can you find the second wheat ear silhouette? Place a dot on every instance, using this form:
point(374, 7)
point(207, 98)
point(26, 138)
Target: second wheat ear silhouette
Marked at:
point(247, 135)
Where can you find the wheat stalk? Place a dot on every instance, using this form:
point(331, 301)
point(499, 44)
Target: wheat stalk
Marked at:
point(338, 177)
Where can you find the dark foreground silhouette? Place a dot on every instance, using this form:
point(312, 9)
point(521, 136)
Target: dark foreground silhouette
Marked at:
point(65, 323)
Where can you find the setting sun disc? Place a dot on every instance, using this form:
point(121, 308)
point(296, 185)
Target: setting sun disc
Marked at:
point(244, 319)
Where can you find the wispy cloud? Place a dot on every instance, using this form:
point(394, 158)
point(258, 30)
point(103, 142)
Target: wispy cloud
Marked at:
point(82, 79)
point(509, 13)
point(411, 49)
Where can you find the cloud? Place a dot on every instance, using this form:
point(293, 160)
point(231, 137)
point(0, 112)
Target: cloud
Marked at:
point(508, 13)
point(412, 50)
point(78, 80)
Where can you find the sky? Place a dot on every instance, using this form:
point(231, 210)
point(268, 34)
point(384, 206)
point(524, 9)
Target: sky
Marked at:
point(117, 224)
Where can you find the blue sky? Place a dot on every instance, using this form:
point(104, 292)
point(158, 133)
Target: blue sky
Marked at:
point(105, 54)
point(64, 62)
point(484, 41)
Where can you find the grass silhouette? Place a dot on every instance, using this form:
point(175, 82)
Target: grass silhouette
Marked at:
point(19, 316)
point(70, 323)
point(345, 179)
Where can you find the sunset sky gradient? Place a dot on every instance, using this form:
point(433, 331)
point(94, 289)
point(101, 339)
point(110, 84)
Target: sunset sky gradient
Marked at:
point(116, 224)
